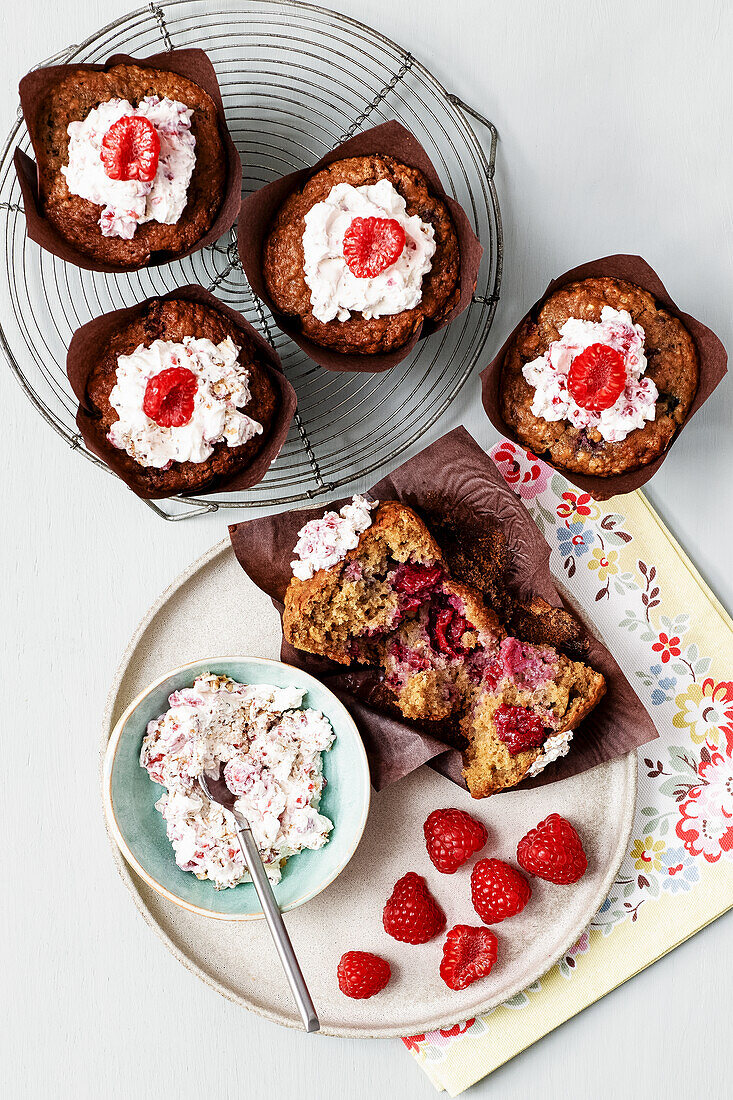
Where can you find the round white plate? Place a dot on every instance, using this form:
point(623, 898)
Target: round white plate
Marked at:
point(214, 607)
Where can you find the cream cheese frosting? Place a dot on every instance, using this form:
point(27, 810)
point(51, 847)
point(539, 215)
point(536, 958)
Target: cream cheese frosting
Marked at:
point(554, 748)
point(336, 292)
point(549, 376)
point(129, 203)
point(324, 542)
point(271, 747)
point(222, 391)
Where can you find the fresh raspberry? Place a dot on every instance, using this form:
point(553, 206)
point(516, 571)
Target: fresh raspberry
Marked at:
point(498, 891)
point(412, 914)
point(553, 851)
point(361, 974)
point(169, 397)
point(371, 245)
point(452, 837)
point(518, 729)
point(468, 954)
point(130, 149)
point(597, 377)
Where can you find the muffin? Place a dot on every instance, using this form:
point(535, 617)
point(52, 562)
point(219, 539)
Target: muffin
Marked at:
point(600, 380)
point(376, 590)
point(181, 395)
point(362, 255)
point(130, 161)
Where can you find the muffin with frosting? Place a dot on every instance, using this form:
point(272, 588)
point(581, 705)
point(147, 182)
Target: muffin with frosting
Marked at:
point(362, 255)
point(600, 380)
point(181, 396)
point(130, 160)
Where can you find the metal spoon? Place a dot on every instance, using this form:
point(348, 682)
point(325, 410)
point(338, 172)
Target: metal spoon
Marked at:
point(217, 790)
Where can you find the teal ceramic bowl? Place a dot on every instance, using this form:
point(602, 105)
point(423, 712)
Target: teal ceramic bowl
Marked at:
point(130, 795)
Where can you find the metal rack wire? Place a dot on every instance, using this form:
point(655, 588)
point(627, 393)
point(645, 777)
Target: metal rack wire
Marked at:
point(296, 80)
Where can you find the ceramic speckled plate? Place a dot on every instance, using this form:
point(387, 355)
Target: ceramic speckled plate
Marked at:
point(213, 607)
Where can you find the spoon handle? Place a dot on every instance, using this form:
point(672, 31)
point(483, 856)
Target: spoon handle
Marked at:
point(276, 925)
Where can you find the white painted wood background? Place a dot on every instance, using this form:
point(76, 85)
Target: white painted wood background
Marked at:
point(615, 123)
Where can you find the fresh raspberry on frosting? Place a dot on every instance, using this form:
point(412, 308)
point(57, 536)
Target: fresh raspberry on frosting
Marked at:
point(371, 245)
point(130, 149)
point(169, 397)
point(597, 377)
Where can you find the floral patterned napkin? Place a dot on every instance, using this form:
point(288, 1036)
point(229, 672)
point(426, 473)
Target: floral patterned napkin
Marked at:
point(674, 641)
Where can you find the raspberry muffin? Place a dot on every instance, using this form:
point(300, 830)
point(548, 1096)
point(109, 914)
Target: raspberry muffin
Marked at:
point(181, 395)
point(601, 380)
point(372, 586)
point(130, 162)
point(361, 255)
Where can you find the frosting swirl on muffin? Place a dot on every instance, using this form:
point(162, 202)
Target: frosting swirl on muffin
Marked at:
point(129, 203)
point(548, 374)
point(222, 391)
point(336, 292)
point(325, 541)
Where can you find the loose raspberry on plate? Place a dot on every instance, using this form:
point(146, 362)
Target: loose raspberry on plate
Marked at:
point(518, 728)
point(412, 915)
point(371, 245)
point(130, 149)
point(362, 974)
point(453, 836)
point(553, 851)
point(597, 377)
point(169, 397)
point(498, 890)
point(468, 954)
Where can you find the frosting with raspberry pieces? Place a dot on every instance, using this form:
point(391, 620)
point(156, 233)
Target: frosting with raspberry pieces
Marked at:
point(336, 292)
point(556, 746)
point(129, 203)
point(324, 542)
point(549, 376)
point(271, 747)
point(222, 392)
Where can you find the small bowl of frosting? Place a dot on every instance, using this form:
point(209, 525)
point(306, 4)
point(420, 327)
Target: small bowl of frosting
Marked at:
point(292, 756)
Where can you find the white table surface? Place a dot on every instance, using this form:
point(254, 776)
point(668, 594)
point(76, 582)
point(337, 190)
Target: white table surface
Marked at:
point(615, 123)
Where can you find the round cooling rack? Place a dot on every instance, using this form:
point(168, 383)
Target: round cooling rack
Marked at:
point(296, 80)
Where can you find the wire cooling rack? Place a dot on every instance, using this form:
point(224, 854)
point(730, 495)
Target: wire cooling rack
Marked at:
point(296, 80)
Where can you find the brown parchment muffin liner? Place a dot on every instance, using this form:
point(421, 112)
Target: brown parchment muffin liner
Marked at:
point(712, 356)
point(192, 64)
point(259, 209)
point(83, 354)
point(458, 474)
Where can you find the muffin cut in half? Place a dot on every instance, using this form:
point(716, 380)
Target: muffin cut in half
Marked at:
point(445, 657)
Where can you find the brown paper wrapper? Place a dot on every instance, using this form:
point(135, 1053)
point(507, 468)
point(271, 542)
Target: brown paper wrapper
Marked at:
point(712, 355)
point(458, 473)
point(192, 64)
point(259, 209)
point(83, 354)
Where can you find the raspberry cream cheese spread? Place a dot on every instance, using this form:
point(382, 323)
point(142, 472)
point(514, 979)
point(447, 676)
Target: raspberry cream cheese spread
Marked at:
point(549, 376)
point(556, 746)
point(222, 390)
point(128, 203)
point(336, 291)
point(271, 748)
point(324, 542)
